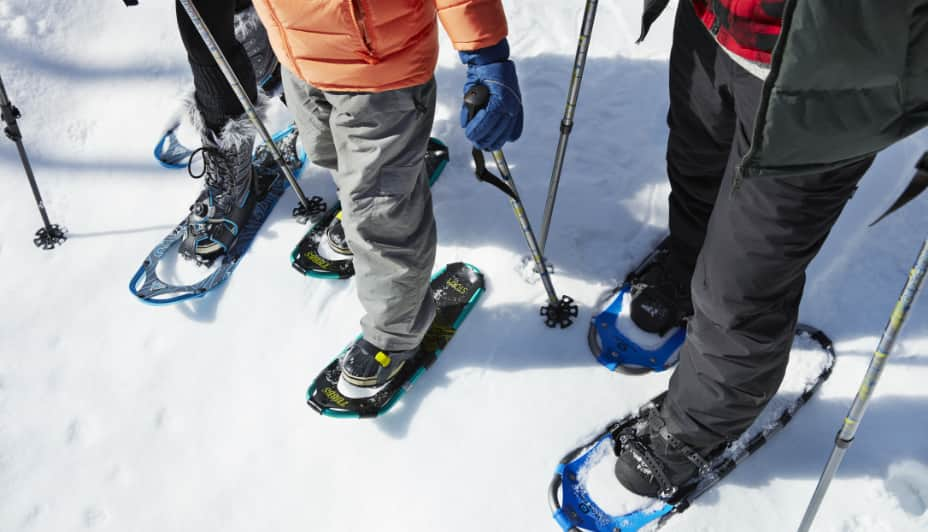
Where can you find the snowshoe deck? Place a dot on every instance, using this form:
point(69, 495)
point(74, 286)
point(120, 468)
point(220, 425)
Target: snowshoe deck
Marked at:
point(306, 257)
point(575, 510)
point(149, 288)
point(456, 289)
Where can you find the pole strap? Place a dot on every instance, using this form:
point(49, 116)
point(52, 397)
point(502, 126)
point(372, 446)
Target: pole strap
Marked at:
point(485, 175)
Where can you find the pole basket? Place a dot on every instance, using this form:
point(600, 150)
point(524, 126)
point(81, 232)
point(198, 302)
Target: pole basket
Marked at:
point(49, 237)
point(304, 213)
point(561, 314)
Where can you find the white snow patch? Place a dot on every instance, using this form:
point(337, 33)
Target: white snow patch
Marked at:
point(124, 416)
point(604, 488)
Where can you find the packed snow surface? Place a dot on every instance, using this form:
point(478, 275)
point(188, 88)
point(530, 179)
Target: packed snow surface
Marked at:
point(120, 416)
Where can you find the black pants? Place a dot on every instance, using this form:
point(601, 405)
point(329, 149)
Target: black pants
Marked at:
point(214, 96)
point(746, 249)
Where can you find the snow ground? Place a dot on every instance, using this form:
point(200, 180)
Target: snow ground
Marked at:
point(118, 416)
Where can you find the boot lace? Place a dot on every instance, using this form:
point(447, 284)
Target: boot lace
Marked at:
point(215, 166)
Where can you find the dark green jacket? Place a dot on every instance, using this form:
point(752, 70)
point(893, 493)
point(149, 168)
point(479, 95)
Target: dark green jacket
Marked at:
point(848, 78)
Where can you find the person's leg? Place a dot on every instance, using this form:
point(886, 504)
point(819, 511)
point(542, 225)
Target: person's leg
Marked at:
point(215, 99)
point(227, 135)
point(702, 126)
point(311, 112)
point(747, 287)
point(381, 140)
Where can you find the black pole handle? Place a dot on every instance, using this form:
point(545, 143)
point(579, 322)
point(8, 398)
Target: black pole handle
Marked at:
point(476, 99)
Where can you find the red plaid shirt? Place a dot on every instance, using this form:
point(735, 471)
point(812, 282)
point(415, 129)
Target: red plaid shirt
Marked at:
point(748, 28)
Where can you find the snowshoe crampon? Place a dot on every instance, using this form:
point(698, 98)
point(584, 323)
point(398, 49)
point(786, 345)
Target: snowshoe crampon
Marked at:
point(310, 256)
point(149, 288)
point(576, 509)
point(456, 289)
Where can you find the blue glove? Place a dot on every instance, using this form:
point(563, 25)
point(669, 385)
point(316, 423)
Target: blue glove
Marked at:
point(501, 120)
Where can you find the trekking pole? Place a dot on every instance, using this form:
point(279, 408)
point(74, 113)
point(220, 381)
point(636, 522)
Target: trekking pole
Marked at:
point(567, 123)
point(50, 235)
point(846, 435)
point(307, 207)
point(559, 311)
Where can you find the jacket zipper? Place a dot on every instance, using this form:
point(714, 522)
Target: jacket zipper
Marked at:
point(717, 17)
point(776, 61)
point(357, 15)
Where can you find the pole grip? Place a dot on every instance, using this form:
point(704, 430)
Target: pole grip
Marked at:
point(476, 99)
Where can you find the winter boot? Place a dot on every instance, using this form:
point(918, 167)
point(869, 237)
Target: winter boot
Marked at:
point(660, 294)
point(253, 36)
point(230, 194)
point(335, 235)
point(366, 368)
point(652, 462)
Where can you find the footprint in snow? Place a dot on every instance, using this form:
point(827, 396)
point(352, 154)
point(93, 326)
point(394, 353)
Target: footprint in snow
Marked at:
point(908, 482)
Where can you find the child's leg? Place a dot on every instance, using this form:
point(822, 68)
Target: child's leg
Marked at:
point(311, 112)
point(381, 139)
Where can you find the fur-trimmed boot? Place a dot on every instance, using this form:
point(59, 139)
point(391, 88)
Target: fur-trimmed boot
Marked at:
point(230, 193)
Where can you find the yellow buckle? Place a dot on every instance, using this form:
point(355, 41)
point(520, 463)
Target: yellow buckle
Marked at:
point(382, 358)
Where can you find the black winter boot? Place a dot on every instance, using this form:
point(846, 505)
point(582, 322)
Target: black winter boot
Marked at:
point(335, 235)
point(652, 462)
point(660, 294)
point(366, 368)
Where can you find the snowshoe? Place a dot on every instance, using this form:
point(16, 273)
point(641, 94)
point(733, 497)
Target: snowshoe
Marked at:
point(579, 502)
point(456, 289)
point(149, 288)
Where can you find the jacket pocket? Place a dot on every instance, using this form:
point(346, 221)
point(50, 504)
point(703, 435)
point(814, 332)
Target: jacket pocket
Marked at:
point(393, 181)
point(360, 24)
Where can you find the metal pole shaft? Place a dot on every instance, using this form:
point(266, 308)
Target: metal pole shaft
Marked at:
point(12, 130)
point(527, 232)
point(567, 123)
point(851, 423)
point(236, 85)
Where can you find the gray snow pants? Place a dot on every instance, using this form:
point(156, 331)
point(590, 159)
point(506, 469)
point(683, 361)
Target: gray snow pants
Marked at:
point(747, 248)
point(375, 145)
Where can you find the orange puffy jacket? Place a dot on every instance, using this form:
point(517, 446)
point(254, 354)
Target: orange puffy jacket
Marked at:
point(374, 45)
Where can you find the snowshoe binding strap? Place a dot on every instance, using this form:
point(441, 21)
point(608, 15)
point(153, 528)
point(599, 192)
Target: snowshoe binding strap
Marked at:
point(655, 422)
point(628, 442)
